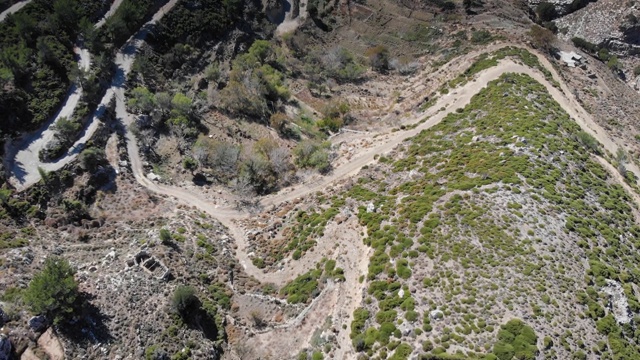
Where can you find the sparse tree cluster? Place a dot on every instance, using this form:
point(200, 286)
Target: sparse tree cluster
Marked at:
point(256, 83)
point(263, 169)
point(310, 154)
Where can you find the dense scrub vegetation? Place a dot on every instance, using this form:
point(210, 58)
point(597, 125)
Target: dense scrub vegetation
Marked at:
point(309, 285)
point(495, 223)
point(36, 60)
point(180, 37)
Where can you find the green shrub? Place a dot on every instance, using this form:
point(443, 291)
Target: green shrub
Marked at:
point(165, 236)
point(184, 299)
point(546, 11)
point(411, 316)
point(584, 44)
point(310, 154)
point(92, 157)
point(481, 37)
point(53, 291)
point(302, 288)
point(515, 339)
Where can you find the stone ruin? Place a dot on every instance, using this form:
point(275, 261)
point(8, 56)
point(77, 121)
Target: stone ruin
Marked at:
point(150, 264)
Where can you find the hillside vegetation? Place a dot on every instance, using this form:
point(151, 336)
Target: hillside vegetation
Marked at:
point(508, 211)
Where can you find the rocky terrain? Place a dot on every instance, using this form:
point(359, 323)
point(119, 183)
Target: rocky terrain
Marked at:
point(332, 180)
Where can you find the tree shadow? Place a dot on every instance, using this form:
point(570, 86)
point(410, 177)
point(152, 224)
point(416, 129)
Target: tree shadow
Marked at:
point(197, 318)
point(90, 324)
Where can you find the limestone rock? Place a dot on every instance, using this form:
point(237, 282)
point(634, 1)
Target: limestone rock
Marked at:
point(371, 208)
point(562, 6)
point(38, 323)
point(5, 347)
point(153, 177)
point(436, 314)
point(609, 23)
point(406, 328)
point(618, 304)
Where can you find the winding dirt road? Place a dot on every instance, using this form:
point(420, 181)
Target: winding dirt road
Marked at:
point(456, 98)
point(22, 158)
point(346, 296)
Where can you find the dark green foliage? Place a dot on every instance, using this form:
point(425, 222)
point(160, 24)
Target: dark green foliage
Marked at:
point(360, 316)
point(516, 340)
point(481, 37)
point(8, 240)
point(53, 291)
point(588, 141)
point(221, 295)
point(578, 4)
point(195, 22)
point(165, 236)
point(184, 299)
point(402, 352)
point(303, 288)
point(542, 38)
point(339, 64)
point(546, 12)
point(470, 6)
point(255, 82)
point(378, 58)
point(127, 19)
point(584, 44)
point(91, 158)
point(36, 57)
point(310, 154)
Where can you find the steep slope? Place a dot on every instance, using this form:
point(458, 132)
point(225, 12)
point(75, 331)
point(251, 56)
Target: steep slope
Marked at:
point(506, 211)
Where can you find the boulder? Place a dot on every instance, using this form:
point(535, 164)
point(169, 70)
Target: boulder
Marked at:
point(371, 207)
point(436, 314)
point(618, 304)
point(38, 323)
point(5, 347)
point(406, 329)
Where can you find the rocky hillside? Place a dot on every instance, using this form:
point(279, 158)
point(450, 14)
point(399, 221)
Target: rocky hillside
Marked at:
point(379, 179)
point(609, 23)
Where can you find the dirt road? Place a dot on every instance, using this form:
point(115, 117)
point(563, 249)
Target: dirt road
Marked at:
point(23, 157)
point(456, 98)
point(13, 9)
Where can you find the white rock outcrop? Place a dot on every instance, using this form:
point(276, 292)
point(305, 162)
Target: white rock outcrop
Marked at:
point(618, 304)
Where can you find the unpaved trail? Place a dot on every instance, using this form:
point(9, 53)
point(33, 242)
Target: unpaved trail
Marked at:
point(112, 10)
point(290, 23)
point(337, 301)
point(24, 161)
point(13, 9)
point(346, 296)
point(25, 153)
point(457, 98)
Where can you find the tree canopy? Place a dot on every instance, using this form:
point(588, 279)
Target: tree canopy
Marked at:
point(53, 291)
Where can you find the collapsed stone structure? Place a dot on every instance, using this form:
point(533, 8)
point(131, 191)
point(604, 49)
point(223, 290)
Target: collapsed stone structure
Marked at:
point(150, 264)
